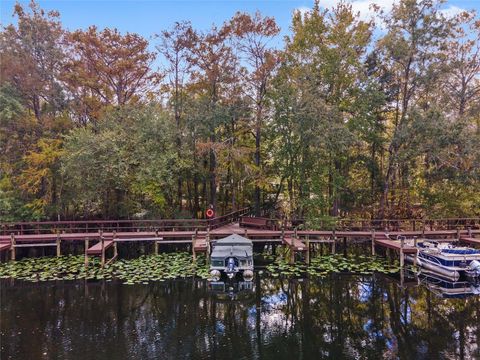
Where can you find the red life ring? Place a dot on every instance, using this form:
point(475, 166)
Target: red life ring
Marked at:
point(210, 213)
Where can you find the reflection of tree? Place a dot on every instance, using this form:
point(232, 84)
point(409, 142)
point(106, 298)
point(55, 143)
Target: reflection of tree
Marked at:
point(337, 317)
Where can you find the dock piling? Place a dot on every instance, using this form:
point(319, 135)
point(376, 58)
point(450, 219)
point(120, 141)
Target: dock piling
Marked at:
point(86, 252)
point(58, 244)
point(13, 250)
point(207, 241)
point(373, 242)
point(194, 255)
point(115, 249)
point(307, 255)
point(103, 248)
point(334, 242)
point(402, 256)
point(415, 256)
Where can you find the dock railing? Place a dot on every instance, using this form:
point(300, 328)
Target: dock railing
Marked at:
point(87, 226)
point(228, 218)
point(388, 224)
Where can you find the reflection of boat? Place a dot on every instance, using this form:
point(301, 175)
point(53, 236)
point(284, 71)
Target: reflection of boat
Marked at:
point(232, 255)
point(449, 289)
point(231, 290)
point(447, 260)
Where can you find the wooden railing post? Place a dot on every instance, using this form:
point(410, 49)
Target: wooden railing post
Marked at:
point(115, 249)
point(307, 255)
point(86, 252)
point(334, 242)
point(102, 240)
point(402, 258)
point(13, 249)
point(415, 257)
point(207, 240)
point(58, 244)
point(373, 242)
point(193, 248)
point(156, 242)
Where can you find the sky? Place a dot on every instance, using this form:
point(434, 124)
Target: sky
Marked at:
point(148, 17)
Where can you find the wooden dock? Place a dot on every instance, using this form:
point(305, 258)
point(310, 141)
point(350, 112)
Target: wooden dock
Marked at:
point(470, 240)
point(396, 245)
point(97, 242)
point(295, 244)
point(98, 247)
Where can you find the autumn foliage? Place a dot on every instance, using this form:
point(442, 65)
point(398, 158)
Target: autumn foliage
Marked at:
point(343, 117)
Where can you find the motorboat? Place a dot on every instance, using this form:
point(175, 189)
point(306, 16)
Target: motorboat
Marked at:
point(231, 256)
point(448, 260)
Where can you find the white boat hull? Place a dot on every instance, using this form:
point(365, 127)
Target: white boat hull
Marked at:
point(445, 272)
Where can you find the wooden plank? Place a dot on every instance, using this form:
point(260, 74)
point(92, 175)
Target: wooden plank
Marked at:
point(395, 245)
point(159, 239)
point(295, 244)
point(200, 245)
point(5, 246)
point(35, 245)
point(257, 222)
point(470, 240)
point(97, 248)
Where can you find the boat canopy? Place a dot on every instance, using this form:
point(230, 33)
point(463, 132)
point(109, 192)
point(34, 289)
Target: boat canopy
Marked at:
point(233, 245)
point(461, 251)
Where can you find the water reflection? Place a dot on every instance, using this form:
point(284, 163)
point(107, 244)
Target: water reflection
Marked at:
point(342, 317)
point(450, 289)
point(232, 290)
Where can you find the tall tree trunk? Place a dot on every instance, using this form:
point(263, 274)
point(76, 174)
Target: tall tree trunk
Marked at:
point(36, 107)
point(258, 134)
point(372, 176)
point(257, 164)
point(178, 130)
point(212, 175)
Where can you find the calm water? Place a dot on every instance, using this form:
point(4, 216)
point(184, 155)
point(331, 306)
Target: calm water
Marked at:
point(342, 317)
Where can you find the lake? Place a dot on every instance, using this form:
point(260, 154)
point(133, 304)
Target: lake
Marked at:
point(339, 317)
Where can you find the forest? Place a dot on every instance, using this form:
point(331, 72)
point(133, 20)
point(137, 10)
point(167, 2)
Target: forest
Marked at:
point(343, 117)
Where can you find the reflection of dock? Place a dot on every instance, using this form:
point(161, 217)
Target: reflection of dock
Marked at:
point(409, 281)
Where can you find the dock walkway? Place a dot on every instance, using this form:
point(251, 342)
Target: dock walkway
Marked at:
point(199, 238)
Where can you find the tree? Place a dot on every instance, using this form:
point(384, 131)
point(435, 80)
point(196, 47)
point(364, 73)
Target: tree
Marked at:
point(174, 47)
point(122, 167)
point(40, 177)
point(32, 58)
point(411, 50)
point(321, 77)
point(252, 35)
point(213, 70)
point(462, 54)
point(108, 68)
